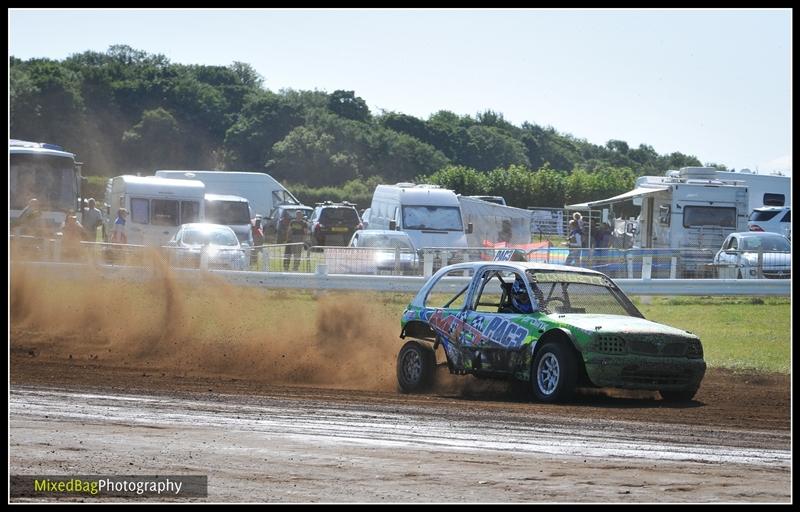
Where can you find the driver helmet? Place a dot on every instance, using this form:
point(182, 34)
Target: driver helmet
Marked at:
point(520, 298)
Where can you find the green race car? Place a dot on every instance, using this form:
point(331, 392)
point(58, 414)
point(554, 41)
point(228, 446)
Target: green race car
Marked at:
point(555, 327)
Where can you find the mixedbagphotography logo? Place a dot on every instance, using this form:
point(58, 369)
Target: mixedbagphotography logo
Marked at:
point(98, 486)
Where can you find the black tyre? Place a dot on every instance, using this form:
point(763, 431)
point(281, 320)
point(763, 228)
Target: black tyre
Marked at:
point(416, 364)
point(678, 395)
point(554, 373)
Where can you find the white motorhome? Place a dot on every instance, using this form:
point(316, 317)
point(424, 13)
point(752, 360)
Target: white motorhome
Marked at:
point(763, 189)
point(231, 211)
point(430, 215)
point(157, 206)
point(692, 211)
point(261, 190)
point(493, 222)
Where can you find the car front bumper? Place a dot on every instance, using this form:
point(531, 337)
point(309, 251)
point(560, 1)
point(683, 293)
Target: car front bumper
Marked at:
point(642, 372)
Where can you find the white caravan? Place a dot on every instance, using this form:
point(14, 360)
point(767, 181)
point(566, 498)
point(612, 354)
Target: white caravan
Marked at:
point(261, 190)
point(430, 215)
point(693, 212)
point(156, 206)
point(763, 189)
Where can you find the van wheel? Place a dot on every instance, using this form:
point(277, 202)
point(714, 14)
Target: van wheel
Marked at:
point(416, 364)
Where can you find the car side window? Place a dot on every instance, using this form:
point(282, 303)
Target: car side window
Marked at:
point(734, 244)
point(787, 217)
point(493, 293)
point(450, 291)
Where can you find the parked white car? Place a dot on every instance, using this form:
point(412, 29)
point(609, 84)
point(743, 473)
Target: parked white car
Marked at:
point(772, 219)
point(219, 242)
point(740, 253)
point(391, 250)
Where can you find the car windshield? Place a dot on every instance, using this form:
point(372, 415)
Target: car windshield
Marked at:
point(385, 241)
point(439, 218)
point(575, 292)
point(213, 236)
point(765, 243)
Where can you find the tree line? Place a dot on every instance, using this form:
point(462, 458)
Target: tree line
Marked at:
point(127, 111)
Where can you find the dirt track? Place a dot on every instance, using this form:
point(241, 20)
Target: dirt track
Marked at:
point(467, 441)
point(178, 381)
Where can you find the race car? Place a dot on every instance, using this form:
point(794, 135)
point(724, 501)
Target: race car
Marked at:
point(553, 327)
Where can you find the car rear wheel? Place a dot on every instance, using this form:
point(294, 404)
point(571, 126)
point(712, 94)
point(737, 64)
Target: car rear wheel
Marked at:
point(416, 364)
point(678, 395)
point(554, 373)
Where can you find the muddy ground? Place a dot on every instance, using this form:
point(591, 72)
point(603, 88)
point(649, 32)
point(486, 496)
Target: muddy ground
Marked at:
point(308, 410)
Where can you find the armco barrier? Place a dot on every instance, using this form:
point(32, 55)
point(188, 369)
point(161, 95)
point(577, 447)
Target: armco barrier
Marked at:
point(402, 284)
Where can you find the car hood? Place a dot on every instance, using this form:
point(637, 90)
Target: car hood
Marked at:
point(617, 324)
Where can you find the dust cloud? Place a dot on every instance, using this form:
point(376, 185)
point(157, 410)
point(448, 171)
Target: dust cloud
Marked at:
point(206, 328)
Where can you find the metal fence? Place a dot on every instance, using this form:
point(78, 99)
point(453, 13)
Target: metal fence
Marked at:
point(299, 258)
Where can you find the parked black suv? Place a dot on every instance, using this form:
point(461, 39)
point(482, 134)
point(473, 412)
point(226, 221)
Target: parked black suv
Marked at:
point(334, 223)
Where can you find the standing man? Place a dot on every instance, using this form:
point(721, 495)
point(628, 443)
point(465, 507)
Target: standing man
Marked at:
point(120, 235)
point(298, 229)
point(92, 217)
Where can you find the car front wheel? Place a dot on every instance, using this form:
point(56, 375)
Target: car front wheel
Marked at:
point(554, 373)
point(416, 364)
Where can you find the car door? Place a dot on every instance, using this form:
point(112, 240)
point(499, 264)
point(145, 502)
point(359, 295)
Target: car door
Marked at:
point(492, 337)
point(727, 258)
point(444, 310)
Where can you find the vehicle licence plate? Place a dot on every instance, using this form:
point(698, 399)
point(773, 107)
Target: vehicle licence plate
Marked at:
point(339, 229)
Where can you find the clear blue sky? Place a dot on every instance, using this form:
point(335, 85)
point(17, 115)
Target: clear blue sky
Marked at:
point(711, 83)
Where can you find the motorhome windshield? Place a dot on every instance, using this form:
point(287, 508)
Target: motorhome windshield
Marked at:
point(227, 212)
point(50, 179)
point(695, 216)
point(438, 218)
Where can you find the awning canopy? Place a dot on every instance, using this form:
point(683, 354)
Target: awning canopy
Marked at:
point(637, 192)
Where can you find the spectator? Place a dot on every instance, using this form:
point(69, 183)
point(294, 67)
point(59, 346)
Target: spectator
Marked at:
point(297, 232)
point(120, 235)
point(575, 243)
point(505, 233)
point(283, 228)
point(92, 218)
point(30, 221)
point(258, 232)
point(72, 233)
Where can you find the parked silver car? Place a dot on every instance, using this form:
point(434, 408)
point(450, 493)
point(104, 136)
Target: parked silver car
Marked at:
point(754, 255)
point(219, 243)
point(391, 251)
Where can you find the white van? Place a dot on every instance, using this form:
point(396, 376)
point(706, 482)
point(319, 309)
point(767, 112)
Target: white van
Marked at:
point(231, 211)
point(261, 190)
point(156, 206)
point(430, 215)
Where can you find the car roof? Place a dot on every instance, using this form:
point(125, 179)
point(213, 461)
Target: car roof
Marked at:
point(520, 266)
point(205, 225)
point(382, 232)
point(756, 233)
point(771, 208)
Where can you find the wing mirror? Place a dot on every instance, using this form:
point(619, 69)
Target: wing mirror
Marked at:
point(392, 225)
point(469, 228)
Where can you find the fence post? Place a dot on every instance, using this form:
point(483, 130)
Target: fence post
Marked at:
point(56, 248)
point(396, 260)
point(760, 268)
point(444, 257)
point(264, 260)
point(629, 260)
point(427, 266)
point(673, 267)
point(647, 267)
point(204, 259)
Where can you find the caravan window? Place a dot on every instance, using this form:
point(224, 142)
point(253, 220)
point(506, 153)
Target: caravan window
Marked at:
point(140, 211)
point(165, 212)
point(694, 216)
point(190, 211)
point(440, 218)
